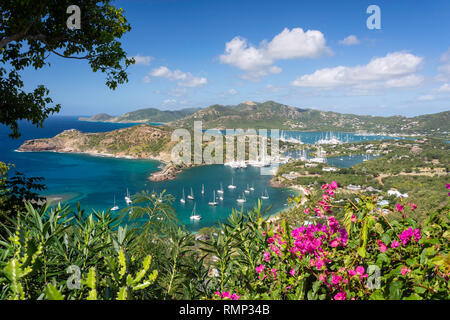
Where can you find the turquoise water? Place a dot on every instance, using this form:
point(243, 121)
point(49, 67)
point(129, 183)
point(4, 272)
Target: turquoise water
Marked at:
point(96, 181)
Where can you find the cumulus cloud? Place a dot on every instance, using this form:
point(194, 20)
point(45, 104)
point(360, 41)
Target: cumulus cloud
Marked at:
point(350, 40)
point(444, 88)
point(142, 60)
point(396, 69)
point(289, 44)
point(184, 79)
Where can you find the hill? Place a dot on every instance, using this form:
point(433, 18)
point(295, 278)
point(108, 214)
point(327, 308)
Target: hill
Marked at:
point(144, 115)
point(271, 114)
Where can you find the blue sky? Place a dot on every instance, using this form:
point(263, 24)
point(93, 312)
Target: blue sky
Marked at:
point(196, 53)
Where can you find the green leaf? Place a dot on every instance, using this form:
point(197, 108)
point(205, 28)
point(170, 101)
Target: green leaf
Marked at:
point(52, 293)
point(395, 290)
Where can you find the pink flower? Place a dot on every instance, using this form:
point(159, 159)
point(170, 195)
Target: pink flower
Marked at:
point(448, 186)
point(340, 296)
point(267, 256)
point(336, 279)
point(307, 210)
point(410, 235)
point(323, 278)
point(234, 296)
point(292, 272)
point(399, 207)
point(381, 246)
point(405, 271)
point(395, 244)
point(334, 185)
point(270, 240)
point(260, 268)
point(359, 270)
point(274, 272)
point(354, 219)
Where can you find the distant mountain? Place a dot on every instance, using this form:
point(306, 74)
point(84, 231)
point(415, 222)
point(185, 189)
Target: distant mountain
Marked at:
point(98, 117)
point(273, 115)
point(144, 115)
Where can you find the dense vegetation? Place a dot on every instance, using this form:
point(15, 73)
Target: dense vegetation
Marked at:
point(418, 168)
point(60, 253)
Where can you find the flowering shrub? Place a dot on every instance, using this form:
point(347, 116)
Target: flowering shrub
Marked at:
point(368, 255)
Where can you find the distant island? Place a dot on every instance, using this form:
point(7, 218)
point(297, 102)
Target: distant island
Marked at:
point(273, 115)
point(147, 115)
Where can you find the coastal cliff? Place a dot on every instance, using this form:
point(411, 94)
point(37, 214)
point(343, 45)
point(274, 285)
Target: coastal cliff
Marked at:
point(137, 142)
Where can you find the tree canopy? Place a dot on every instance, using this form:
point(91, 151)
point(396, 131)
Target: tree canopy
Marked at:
point(30, 31)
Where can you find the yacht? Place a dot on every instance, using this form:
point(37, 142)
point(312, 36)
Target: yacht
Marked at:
point(265, 196)
point(220, 191)
point(231, 186)
point(252, 188)
point(213, 202)
point(194, 216)
point(114, 208)
point(183, 200)
point(241, 200)
point(191, 196)
point(247, 191)
point(203, 189)
point(128, 198)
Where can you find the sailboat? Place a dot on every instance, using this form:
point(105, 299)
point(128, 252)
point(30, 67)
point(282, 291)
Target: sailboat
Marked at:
point(114, 208)
point(265, 195)
point(127, 198)
point(182, 200)
point(203, 189)
point(191, 196)
point(247, 191)
point(194, 216)
point(241, 200)
point(213, 202)
point(220, 191)
point(231, 186)
point(252, 188)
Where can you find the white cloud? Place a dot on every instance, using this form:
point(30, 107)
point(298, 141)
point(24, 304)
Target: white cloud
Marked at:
point(444, 88)
point(184, 79)
point(289, 44)
point(350, 40)
point(142, 60)
point(426, 97)
point(396, 69)
point(169, 101)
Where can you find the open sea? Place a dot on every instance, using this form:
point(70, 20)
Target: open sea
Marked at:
point(96, 182)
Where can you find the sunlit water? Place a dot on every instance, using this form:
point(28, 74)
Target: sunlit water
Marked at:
point(96, 182)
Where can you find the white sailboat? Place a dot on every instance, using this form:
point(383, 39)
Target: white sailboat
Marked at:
point(114, 208)
point(194, 215)
point(247, 191)
point(231, 186)
point(203, 189)
point(265, 195)
point(191, 196)
point(183, 200)
point(213, 202)
point(128, 198)
point(252, 188)
point(220, 191)
point(241, 200)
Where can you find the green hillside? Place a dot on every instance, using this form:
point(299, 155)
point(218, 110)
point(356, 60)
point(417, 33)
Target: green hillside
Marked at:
point(271, 114)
